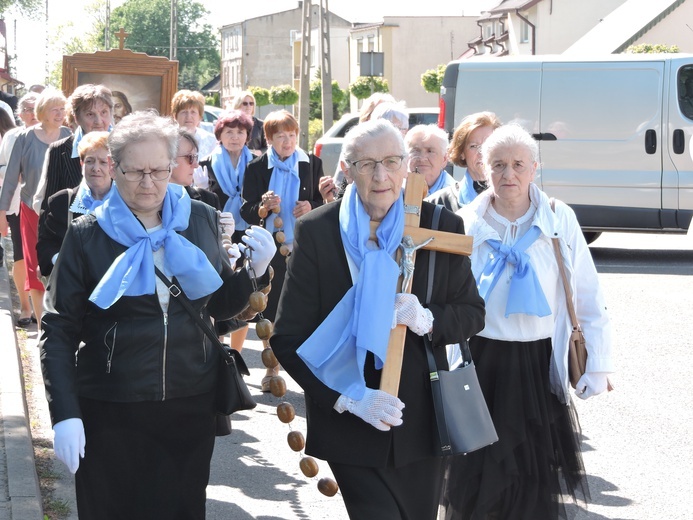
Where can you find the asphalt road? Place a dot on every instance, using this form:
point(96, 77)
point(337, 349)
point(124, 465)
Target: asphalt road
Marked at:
point(636, 440)
point(636, 444)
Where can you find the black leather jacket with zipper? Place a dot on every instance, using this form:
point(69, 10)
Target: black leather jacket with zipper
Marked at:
point(132, 351)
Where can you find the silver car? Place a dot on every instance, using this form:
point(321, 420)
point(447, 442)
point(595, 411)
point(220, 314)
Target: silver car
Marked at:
point(329, 146)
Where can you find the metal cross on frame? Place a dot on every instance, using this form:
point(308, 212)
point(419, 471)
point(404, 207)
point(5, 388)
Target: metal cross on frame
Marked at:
point(421, 238)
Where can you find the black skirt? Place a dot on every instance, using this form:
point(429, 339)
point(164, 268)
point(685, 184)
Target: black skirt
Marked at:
point(146, 460)
point(536, 461)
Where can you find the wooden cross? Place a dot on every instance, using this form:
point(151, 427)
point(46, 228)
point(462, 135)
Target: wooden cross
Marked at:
point(453, 243)
point(121, 35)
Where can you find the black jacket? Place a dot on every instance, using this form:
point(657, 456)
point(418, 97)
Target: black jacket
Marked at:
point(53, 226)
point(62, 170)
point(256, 183)
point(131, 351)
point(317, 278)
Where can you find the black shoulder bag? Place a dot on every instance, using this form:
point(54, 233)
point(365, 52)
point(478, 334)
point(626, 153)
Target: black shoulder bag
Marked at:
point(232, 394)
point(463, 420)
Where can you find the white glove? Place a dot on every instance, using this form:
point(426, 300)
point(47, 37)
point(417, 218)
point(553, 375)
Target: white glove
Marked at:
point(379, 409)
point(234, 252)
point(592, 383)
point(410, 312)
point(261, 242)
point(69, 442)
point(228, 224)
point(201, 177)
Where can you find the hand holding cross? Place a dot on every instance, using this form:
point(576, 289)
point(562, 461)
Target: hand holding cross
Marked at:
point(453, 243)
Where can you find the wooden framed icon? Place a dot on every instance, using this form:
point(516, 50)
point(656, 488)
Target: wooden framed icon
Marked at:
point(145, 81)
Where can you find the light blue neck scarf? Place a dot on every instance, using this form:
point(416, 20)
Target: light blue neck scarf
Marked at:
point(362, 320)
point(284, 182)
point(526, 295)
point(84, 203)
point(79, 133)
point(230, 180)
point(467, 191)
point(132, 273)
point(442, 181)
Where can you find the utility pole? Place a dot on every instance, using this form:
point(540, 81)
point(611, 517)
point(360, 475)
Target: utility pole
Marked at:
point(107, 30)
point(325, 66)
point(304, 95)
point(174, 30)
point(47, 33)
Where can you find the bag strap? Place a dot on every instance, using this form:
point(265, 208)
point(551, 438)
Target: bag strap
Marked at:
point(561, 268)
point(437, 393)
point(228, 357)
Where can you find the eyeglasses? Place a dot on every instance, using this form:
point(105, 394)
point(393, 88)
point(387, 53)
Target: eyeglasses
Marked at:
point(367, 166)
point(26, 110)
point(499, 167)
point(138, 175)
point(191, 157)
point(248, 103)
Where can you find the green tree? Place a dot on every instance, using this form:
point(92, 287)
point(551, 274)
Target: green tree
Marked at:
point(364, 86)
point(149, 25)
point(649, 48)
point(339, 99)
point(29, 8)
point(432, 79)
point(283, 95)
point(261, 94)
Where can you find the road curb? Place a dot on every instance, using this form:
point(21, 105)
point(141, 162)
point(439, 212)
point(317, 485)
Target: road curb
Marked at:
point(23, 483)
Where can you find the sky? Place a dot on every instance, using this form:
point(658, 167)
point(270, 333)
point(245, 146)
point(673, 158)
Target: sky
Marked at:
point(30, 44)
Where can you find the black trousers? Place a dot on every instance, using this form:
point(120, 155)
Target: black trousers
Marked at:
point(410, 492)
point(146, 460)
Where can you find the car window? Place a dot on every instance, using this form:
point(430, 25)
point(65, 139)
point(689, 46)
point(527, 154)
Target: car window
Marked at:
point(351, 124)
point(423, 119)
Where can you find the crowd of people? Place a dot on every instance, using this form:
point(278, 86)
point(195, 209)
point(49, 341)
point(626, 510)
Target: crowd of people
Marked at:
point(103, 203)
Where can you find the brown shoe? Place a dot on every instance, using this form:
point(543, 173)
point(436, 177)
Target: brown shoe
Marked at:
point(268, 377)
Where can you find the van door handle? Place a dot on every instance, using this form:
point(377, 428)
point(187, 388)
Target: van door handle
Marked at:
point(650, 141)
point(544, 137)
point(679, 143)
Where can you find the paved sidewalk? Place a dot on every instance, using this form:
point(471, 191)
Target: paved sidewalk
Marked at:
point(20, 498)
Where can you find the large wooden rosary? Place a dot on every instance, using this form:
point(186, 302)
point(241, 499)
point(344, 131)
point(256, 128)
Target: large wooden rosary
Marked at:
point(285, 410)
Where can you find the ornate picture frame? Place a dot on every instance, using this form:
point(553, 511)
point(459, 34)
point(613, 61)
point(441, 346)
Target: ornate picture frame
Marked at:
point(147, 81)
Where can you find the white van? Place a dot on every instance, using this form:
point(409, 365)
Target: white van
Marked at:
point(614, 132)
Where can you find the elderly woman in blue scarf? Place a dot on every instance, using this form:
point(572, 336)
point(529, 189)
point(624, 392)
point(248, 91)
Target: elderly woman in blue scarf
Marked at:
point(521, 356)
point(71, 203)
point(128, 372)
point(227, 164)
point(427, 147)
point(283, 185)
point(336, 311)
point(465, 151)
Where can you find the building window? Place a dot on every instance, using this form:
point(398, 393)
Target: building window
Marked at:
point(524, 32)
point(359, 50)
point(488, 30)
point(371, 44)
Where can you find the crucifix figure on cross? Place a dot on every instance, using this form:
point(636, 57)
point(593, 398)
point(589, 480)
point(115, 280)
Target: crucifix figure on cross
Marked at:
point(414, 238)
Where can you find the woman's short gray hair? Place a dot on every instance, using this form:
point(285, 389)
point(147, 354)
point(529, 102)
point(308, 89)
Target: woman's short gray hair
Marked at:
point(507, 136)
point(396, 113)
point(27, 99)
point(367, 130)
point(426, 131)
point(143, 125)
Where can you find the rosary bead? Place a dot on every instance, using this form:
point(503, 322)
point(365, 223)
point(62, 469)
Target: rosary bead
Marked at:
point(286, 412)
